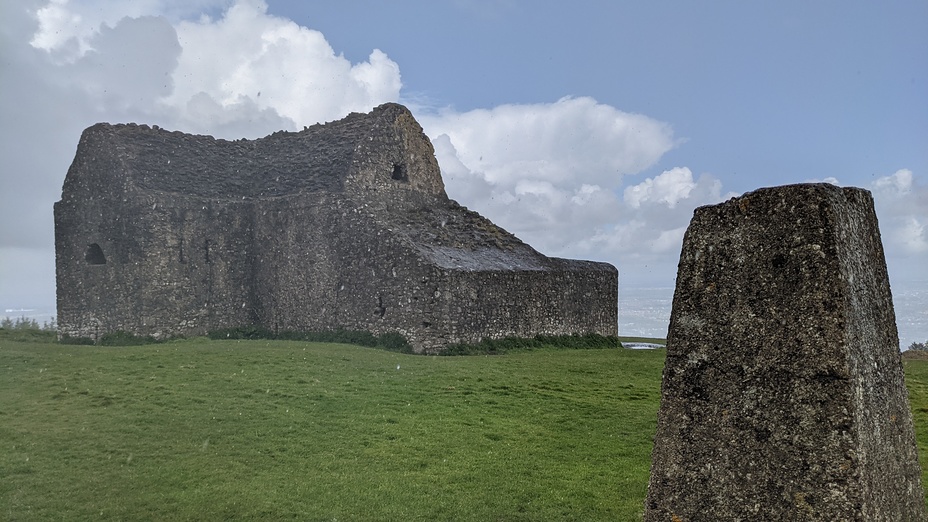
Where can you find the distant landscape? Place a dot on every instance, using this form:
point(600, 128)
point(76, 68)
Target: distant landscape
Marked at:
point(274, 430)
point(643, 311)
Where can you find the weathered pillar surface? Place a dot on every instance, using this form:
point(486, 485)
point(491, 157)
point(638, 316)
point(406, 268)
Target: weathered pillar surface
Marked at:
point(783, 394)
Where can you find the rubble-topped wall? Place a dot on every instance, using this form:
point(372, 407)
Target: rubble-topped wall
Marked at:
point(341, 225)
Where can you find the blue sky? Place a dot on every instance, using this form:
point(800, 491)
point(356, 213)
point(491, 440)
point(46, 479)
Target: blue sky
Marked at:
point(589, 129)
point(762, 92)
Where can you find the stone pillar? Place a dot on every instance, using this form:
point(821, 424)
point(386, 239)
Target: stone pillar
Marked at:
point(783, 394)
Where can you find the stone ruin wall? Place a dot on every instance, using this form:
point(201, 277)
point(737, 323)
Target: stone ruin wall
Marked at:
point(372, 243)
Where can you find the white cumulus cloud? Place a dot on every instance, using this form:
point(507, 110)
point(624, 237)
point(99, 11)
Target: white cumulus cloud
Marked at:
point(66, 28)
point(895, 185)
point(913, 235)
point(241, 73)
point(902, 205)
point(563, 142)
point(548, 172)
point(668, 188)
point(656, 214)
point(250, 57)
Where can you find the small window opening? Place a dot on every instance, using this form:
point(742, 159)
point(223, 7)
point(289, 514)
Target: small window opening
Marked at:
point(181, 257)
point(399, 172)
point(94, 255)
point(206, 250)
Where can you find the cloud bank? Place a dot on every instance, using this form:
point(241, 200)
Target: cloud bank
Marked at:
point(902, 205)
point(244, 73)
point(573, 177)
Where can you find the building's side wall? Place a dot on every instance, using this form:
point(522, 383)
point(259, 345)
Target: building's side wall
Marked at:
point(322, 264)
point(173, 266)
point(574, 298)
point(184, 266)
point(326, 264)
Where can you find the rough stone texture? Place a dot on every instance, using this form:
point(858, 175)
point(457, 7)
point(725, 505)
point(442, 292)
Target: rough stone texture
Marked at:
point(783, 394)
point(342, 225)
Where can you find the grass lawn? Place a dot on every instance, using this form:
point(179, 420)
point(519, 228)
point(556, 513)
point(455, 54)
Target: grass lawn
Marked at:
point(916, 380)
point(273, 430)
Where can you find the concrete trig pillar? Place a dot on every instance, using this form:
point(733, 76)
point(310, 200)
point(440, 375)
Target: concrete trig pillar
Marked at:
point(783, 394)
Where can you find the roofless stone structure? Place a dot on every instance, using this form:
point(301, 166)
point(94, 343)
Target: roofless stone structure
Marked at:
point(783, 394)
point(343, 225)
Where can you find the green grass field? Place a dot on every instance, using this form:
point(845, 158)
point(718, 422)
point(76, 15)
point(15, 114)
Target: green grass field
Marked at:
point(252, 430)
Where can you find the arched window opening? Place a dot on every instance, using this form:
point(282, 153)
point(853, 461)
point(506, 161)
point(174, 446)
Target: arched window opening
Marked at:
point(399, 172)
point(94, 255)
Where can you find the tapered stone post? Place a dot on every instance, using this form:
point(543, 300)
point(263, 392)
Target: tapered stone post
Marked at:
point(783, 394)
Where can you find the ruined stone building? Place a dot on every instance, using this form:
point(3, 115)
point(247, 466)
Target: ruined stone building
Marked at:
point(342, 225)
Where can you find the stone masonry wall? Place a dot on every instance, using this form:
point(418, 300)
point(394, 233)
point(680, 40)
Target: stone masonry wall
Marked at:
point(171, 267)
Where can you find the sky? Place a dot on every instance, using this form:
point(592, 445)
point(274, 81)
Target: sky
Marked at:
point(590, 129)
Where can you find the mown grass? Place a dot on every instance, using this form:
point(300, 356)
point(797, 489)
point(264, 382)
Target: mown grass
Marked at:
point(916, 380)
point(275, 430)
point(290, 430)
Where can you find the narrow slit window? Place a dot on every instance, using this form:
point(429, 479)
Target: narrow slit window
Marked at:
point(399, 172)
point(94, 255)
